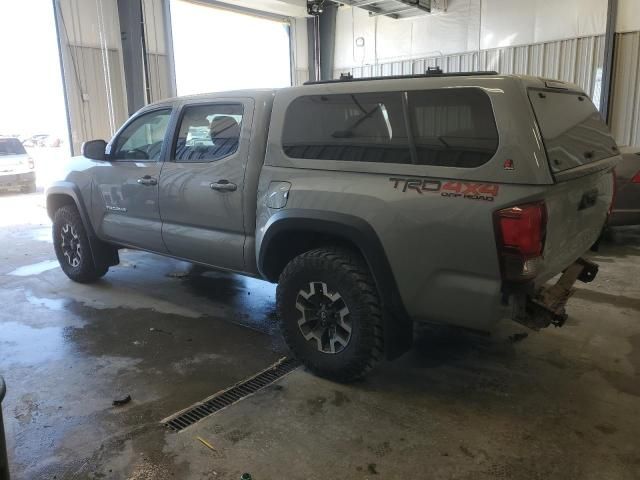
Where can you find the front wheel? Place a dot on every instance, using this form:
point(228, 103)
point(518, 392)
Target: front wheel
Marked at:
point(72, 246)
point(330, 313)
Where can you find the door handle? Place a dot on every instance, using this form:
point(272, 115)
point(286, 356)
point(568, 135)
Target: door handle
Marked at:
point(147, 180)
point(224, 186)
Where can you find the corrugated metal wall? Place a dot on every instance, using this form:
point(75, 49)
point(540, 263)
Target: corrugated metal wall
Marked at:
point(575, 60)
point(96, 100)
point(299, 51)
point(159, 76)
point(93, 70)
point(625, 114)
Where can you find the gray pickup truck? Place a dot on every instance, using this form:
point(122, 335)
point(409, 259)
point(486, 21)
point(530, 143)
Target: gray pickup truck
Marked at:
point(372, 203)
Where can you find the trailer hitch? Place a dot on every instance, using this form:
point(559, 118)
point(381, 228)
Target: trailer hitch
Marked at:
point(547, 306)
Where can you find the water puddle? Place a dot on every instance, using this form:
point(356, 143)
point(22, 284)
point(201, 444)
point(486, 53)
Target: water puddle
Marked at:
point(22, 344)
point(42, 235)
point(35, 269)
point(39, 234)
point(56, 304)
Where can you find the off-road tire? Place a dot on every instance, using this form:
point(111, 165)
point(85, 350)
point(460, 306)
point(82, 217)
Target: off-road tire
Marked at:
point(85, 271)
point(346, 272)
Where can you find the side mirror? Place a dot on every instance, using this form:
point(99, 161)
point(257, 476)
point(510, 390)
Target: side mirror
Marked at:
point(94, 149)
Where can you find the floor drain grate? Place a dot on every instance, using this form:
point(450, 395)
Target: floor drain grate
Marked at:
point(220, 400)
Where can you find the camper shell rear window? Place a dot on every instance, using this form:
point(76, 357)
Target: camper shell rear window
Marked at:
point(572, 129)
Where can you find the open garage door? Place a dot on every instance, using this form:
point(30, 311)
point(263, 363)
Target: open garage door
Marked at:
point(116, 58)
point(219, 49)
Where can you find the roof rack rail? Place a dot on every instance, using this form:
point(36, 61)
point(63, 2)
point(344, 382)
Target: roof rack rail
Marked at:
point(431, 72)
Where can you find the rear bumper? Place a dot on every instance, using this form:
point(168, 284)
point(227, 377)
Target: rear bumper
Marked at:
point(547, 305)
point(620, 218)
point(17, 180)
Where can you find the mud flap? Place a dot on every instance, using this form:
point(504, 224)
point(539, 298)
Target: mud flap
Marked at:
point(398, 335)
point(547, 306)
point(104, 255)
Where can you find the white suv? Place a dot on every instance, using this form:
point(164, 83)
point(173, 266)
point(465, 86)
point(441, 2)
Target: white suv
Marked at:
point(17, 169)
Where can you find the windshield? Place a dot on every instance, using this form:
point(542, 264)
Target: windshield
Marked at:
point(11, 146)
point(573, 131)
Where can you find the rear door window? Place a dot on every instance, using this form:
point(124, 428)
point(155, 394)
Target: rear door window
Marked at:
point(447, 127)
point(573, 131)
point(208, 133)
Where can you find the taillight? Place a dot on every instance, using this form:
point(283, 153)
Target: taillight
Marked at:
point(521, 232)
point(636, 178)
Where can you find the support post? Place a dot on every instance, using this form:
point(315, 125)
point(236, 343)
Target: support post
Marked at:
point(607, 68)
point(313, 41)
point(130, 16)
point(168, 41)
point(321, 33)
point(327, 40)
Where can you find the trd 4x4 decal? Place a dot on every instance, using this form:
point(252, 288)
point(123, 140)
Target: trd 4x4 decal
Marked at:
point(469, 190)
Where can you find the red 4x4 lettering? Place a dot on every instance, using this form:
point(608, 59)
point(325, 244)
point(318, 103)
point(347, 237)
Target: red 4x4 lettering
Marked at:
point(476, 191)
point(471, 188)
point(452, 187)
point(488, 189)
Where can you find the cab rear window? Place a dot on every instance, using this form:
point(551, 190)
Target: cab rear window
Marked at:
point(443, 127)
point(11, 146)
point(572, 129)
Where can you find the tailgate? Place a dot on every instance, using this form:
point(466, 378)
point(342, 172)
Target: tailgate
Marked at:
point(577, 210)
point(581, 154)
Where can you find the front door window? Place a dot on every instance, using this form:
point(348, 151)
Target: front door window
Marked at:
point(142, 139)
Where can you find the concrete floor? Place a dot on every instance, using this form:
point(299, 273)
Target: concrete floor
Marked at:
point(564, 403)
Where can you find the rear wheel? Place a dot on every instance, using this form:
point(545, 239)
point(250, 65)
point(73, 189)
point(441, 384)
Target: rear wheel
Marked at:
point(330, 313)
point(72, 246)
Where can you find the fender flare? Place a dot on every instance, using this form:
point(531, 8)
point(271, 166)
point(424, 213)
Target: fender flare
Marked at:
point(103, 254)
point(70, 190)
point(398, 325)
